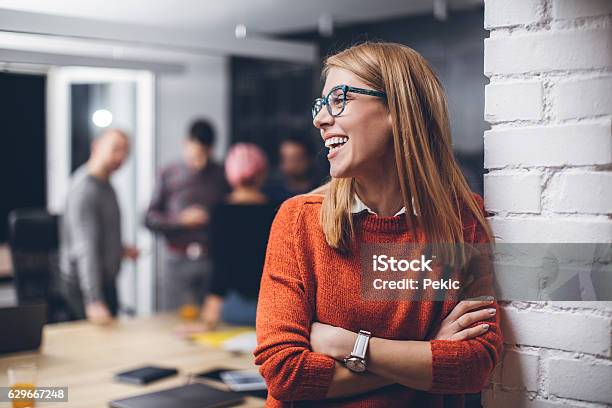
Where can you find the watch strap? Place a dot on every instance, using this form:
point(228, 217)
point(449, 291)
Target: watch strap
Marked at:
point(361, 344)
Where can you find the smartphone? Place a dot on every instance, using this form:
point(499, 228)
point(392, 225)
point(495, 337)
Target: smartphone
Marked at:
point(243, 380)
point(215, 374)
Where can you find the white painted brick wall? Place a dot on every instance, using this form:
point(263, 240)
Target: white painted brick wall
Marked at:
point(557, 330)
point(571, 9)
point(500, 191)
point(511, 399)
point(512, 101)
point(551, 229)
point(502, 13)
point(585, 380)
point(549, 156)
point(549, 146)
point(583, 192)
point(548, 51)
point(584, 98)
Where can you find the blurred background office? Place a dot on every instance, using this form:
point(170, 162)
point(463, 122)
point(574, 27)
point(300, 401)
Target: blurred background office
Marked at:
point(70, 69)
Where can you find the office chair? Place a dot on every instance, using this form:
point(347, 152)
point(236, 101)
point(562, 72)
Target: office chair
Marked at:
point(34, 246)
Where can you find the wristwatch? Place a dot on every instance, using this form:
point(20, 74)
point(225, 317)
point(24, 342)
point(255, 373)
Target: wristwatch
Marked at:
point(356, 360)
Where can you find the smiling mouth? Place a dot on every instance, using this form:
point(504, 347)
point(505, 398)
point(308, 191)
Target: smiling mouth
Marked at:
point(334, 143)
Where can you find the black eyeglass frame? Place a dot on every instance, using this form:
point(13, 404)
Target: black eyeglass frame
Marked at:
point(318, 103)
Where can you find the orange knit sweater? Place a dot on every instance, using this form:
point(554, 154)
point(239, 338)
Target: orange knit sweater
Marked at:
point(304, 280)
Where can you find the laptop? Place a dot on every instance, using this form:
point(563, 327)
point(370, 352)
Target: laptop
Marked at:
point(194, 395)
point(22, 327)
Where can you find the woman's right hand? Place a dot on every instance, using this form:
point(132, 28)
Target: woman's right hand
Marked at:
point(456, 326)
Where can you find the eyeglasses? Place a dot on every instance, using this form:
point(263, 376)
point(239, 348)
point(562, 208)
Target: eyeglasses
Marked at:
point(336, 99)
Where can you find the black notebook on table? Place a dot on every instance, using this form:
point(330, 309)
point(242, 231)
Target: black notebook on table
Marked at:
point(187, 396)
point(145, 375)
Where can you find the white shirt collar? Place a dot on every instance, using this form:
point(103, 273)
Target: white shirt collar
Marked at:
point(359, 206)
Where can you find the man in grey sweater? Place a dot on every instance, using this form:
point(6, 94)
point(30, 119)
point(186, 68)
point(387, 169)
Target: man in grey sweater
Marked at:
point(91, 250)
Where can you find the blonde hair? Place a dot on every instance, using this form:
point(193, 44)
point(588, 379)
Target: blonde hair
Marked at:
point(422, 143)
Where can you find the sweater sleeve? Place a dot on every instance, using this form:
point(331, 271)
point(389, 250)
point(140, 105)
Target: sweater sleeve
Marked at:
point(157, 218)
point(284, 315)
point(461, 367)
point(465, 366)
point(86, 228)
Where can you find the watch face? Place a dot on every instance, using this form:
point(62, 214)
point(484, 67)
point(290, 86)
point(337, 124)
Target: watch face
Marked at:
point(355, 364)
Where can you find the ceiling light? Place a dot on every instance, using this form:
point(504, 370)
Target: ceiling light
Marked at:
point(102, 118)
point(240, 31)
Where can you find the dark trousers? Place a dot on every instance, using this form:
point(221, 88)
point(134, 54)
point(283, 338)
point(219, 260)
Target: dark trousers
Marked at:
point(73, 297)
point(184, 281)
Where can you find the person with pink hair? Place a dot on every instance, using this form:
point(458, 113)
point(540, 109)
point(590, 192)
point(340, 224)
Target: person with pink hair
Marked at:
point(246, 168)
point(239, 236)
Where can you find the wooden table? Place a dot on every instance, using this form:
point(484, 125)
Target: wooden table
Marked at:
point(84, 357)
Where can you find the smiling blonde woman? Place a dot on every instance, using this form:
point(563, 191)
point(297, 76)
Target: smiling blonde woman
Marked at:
point(383, 116)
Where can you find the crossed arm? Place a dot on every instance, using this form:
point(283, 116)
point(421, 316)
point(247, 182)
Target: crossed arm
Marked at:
point(408, 363)
point(306, 372)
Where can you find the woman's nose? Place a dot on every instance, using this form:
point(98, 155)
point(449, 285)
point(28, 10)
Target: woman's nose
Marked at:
point(322, 119)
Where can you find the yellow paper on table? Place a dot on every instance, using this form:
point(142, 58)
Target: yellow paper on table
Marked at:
point(216, 338)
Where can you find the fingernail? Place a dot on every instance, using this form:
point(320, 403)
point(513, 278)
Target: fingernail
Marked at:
point(491, 311)
point(485, 326)
point(489, 298)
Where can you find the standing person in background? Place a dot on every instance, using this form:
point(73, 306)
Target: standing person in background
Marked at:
point(239, 234)
point(90, 245)
point(180, 211)
point(295, 170)
point(235, 283)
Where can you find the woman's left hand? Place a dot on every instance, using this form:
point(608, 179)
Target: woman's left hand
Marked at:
point(330, 340)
